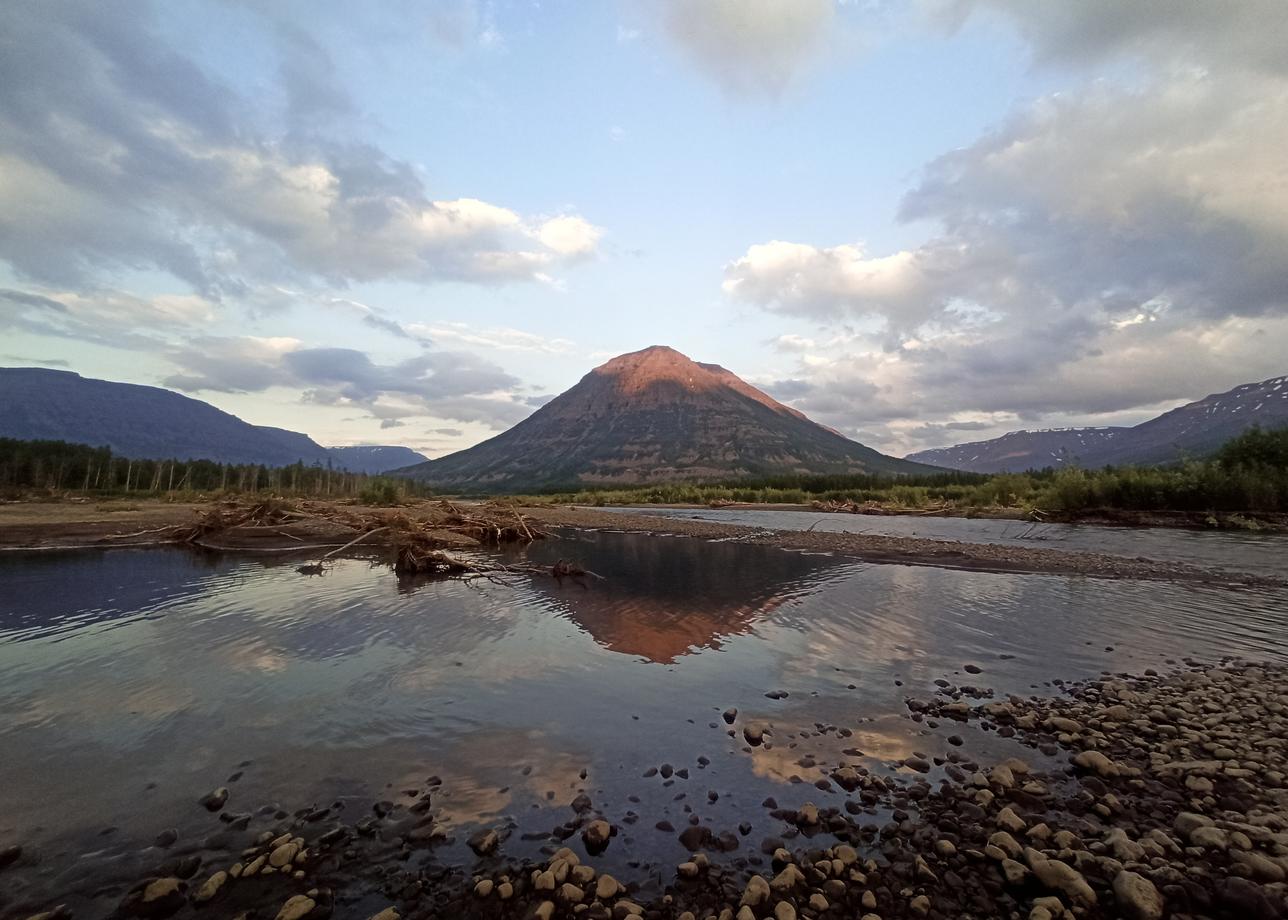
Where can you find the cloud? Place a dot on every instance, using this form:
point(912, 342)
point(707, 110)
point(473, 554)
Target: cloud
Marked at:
point(749, 47)
point(1235, 33)
point(24, 360)
point(438, 384)
point(145, 161)
point(1101, 251)
point(103, 316)
point(499, 338)
point(801, 279)
point(569, 235)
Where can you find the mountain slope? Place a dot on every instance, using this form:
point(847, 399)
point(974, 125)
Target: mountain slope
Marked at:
point(139, 421)
point(654, 416)
point(1193, 430)
point(365, 458)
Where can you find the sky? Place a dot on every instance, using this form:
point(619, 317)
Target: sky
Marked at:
point(919, 222)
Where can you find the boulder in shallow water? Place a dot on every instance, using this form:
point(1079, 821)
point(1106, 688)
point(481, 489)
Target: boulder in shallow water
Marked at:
point(484, 842)
point(596, 836)
point(214, 800)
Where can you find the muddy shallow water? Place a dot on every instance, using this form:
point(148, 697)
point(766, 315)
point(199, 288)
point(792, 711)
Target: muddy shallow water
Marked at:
point(134, 681)
point(1238, 551)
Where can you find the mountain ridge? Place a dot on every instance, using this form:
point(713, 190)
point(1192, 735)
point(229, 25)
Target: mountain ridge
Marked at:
point(1194, 429)
point(144, 422)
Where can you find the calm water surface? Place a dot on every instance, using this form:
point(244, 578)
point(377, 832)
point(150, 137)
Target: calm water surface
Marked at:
point(133, 681)
point(1243, 551)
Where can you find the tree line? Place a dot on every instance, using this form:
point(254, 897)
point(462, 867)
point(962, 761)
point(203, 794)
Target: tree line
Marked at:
point(1248, 474)
point(60, 466)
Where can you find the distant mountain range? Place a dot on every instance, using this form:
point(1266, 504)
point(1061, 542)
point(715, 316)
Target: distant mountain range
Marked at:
point(654, 416)
point(1193, 430)
point(374, 459)
point(151, 422)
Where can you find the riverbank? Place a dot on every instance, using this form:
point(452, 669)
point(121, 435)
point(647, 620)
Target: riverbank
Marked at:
point(1268, 522)
point(983, 557)
point(326, 526)
point(1137, 796)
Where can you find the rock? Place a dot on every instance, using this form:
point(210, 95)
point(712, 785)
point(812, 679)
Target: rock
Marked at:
point(484, 842)
point(754, 734)
point(1014, 872)
point(570, 893)
point(484, 888)
point(756, 892)
point(730, 715)
point(607, 887)
point(1002, 776)
point(1267, 870)
point(10, 855)
point(596, 836)
point(388, 913)
point(505, 891)
point(1006, 843)
point(1008, 820)
point(545, 911)
point(210, 888)
point(694, 837)
point(1123, 847)
point(687, 869)
point(213, 801)
point(787, 879)
point(818, 903)
point(1211, 838)
point(296, 907)
point(920, 905)
point(783, 910)
point(920, 764)
point(847, 778)
point(1246, 900)
point(1137, 896)
point(164, 839)
point(1060, 876)
point(160, 897)
point(1097, 763)
point(1187, 822)
point(283, 855)
point(973, 669)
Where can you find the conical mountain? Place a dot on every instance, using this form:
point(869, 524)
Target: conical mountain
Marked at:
point(654, 416)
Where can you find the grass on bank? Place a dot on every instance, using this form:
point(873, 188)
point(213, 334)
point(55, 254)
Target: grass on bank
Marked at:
point(1248, 475)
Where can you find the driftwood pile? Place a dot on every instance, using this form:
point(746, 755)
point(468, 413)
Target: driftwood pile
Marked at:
point(850, 506)
point(414, 541)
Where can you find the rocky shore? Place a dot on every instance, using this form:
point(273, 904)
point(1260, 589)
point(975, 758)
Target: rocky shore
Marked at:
point(1168, 798)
